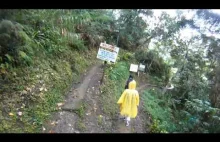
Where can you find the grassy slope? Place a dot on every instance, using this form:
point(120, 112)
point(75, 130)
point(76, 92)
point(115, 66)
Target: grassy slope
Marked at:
point(157, 105)
point(34, 90)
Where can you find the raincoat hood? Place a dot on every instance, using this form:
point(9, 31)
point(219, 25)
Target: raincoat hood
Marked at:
point(132, 84)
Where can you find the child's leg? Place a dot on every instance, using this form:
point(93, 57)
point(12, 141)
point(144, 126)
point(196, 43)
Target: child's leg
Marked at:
point(128, 119)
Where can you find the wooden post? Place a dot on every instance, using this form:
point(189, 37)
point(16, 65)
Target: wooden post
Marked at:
point(104, 66)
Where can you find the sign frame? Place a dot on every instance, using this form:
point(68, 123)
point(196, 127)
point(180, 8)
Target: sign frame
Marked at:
point(108, 52)
point(141, 67)
point(133, 68)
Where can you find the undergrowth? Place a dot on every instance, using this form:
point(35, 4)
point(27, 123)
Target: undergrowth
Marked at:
point(40, 93)
point(159, 110)
point(36, 75)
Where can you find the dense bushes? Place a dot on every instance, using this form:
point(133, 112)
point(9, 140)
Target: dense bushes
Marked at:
point(10, 41)
point(155, 65)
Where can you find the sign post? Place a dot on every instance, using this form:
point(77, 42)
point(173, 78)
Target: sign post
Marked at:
point(107, 53)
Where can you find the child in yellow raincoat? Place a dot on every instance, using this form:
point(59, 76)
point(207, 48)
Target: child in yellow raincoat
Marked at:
point(129, 102)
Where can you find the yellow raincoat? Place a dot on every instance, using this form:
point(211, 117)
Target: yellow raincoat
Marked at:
point(129, 101)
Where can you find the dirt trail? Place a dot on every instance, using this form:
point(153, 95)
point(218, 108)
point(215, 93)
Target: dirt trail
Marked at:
point(137, 125)
point(67, 119)
point(92, 119)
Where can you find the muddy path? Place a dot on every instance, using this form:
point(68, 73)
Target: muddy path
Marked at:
point(82, 113)
point(67, 120)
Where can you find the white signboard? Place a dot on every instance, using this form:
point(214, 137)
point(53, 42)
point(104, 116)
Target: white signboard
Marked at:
point(107, 52)
point(133, 68)
point(141, 67)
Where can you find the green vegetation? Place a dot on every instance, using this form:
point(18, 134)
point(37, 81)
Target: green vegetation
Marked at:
point(81, 111)
point(42, 52)
point(158, 106)
point(37, 70)
point(80, 125)
point(155, 65)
